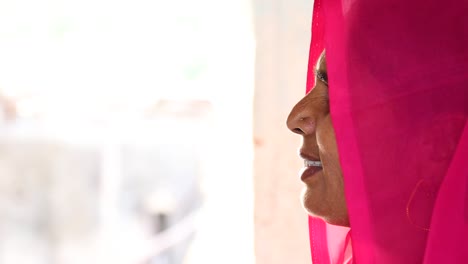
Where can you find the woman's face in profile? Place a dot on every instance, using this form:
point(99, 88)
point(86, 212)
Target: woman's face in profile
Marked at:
point(323, 194)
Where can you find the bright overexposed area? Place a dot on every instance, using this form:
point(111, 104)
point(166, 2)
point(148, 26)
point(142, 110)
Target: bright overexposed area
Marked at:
point(126, 131)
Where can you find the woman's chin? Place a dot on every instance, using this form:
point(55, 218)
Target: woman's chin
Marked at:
point(330, 219)
point(337, 221)
point(331, 215)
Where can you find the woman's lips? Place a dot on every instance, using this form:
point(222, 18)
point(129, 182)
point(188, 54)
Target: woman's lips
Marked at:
point(312, 165)
point(309, 171)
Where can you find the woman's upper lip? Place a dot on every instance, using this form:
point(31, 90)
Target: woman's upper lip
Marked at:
point(308, 156)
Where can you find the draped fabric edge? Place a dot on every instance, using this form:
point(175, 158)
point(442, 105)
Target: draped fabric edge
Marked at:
point(453, 191)
point(320, 243)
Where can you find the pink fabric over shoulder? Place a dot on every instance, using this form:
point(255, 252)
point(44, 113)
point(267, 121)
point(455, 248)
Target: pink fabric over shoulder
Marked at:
point(398, 81)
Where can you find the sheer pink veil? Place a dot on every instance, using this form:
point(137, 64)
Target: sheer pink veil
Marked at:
point(398, 82)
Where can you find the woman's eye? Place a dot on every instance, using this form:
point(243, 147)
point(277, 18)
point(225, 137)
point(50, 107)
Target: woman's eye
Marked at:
point(322, 77)
point(324, 80)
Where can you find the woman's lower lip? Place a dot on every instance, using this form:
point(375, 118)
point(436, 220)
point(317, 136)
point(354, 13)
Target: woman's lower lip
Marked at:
point(309, 172)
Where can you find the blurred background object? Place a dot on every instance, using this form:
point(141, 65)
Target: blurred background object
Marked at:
point(127, 131)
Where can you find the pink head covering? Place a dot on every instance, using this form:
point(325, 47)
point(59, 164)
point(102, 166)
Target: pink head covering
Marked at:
point(398, 84)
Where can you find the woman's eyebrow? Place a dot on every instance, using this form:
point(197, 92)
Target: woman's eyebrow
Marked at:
point(321, 75)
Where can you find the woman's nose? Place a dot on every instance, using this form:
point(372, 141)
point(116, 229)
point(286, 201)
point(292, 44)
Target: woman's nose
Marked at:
point(301, 119)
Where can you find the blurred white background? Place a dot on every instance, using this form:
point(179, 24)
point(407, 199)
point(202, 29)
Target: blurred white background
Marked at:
point(126, 131)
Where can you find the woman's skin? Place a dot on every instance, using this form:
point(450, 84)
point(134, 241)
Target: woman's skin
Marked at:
point(323, 194)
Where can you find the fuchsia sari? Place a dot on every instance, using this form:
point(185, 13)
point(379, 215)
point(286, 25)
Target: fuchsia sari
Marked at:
point(398, 81)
